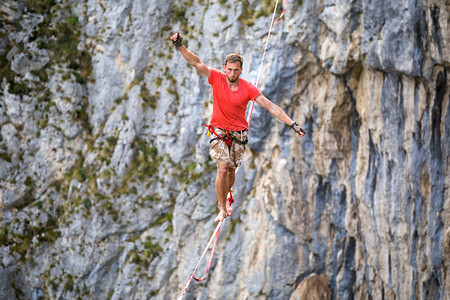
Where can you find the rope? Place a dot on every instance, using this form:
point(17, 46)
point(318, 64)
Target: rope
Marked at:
point(215, 235)
point(264, 54)
point(212, 254)
point(231, 199)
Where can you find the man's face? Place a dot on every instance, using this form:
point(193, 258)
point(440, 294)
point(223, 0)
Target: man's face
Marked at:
point(233, 71)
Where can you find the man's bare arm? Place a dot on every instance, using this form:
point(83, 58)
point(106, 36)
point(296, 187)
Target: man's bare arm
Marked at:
point(190, 57)
point(278, 113)
point(195, 61)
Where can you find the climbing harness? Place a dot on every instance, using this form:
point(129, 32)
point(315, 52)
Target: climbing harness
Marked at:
point(228, 140)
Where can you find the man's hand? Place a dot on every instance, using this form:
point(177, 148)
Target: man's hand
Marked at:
point(177, 39)
point(298, 129)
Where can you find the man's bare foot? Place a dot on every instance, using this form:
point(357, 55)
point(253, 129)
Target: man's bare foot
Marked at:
point(229, 209)
point(221, 216)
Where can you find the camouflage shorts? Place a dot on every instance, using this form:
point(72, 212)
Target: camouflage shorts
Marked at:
point(221, 153)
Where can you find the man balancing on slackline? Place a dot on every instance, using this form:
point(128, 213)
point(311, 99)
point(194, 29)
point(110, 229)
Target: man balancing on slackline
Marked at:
point(231, 95)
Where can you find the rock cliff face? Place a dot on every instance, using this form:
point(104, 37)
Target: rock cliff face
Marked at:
point(107, 190)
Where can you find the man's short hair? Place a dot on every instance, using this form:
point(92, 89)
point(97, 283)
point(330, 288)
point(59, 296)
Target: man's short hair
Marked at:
point(234, 58)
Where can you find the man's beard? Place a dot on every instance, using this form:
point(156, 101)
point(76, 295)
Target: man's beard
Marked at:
point(233, 81)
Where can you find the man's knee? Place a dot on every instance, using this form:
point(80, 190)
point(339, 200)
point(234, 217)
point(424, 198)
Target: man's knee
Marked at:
point(224, 170)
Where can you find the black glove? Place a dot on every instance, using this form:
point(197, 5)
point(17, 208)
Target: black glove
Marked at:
point(300, 131)
point(178, 42)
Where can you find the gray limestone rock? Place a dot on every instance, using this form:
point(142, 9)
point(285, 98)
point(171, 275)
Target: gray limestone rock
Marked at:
point(107, 190)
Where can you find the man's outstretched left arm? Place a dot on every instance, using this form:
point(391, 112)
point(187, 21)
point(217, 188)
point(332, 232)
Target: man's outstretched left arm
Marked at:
point(278, 113)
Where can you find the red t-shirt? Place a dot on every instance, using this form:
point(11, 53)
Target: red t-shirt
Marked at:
point(229, 106)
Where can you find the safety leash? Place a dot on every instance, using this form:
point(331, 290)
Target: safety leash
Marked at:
point(215, 235)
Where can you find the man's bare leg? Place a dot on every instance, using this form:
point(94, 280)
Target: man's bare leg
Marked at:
point(224, 181)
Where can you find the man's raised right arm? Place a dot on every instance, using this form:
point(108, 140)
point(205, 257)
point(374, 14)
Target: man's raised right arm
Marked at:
point(190, 57)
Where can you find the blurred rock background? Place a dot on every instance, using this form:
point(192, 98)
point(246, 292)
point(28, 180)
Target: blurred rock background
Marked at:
point(107, 189)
